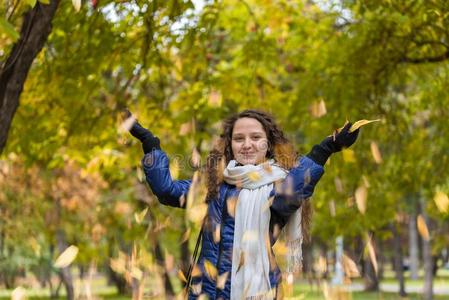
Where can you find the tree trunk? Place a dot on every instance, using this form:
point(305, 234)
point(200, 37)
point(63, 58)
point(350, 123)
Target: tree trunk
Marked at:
point(413, 246)
point(35, 29)
point(398, 259)
point(427, 259)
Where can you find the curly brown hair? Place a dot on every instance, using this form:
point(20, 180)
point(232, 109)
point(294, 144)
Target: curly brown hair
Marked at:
point(279, 148)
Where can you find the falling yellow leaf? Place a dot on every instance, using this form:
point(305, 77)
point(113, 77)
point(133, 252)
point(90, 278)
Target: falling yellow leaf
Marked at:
point(174, 169)
point(250, 236)
point(241, 261)
point(361, 123)
point(196, 158)
point(267, 168)
point(185, 236)
point(221, 280)
point(169, 262)
point(139, 217)
point(185, 128)
point(372, 253)
point(231, 203)
point(360, 198)
point(66, 257)
point(254, 176)
point(349, 267)
point(215, 99)
point(348, 155)
point(376, 153)
point(136, 273)
point(210, 269)
point(196, 288)
point(321, 265)
point(442, 201)
point(217, 233)
point(332, 208)
point(181, 276)
point(76, 4)
point(422, 228)
point(318, 109)
point(127, 124)
point(338, 185)
point(197, 213)
point(196, 271)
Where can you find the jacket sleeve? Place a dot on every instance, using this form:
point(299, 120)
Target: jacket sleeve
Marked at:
point(168, 191)
point(297, 186)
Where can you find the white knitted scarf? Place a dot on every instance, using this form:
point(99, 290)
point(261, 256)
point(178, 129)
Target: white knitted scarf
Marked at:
point(250, 257)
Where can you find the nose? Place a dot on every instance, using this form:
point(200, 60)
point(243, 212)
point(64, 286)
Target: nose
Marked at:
point(247, 143)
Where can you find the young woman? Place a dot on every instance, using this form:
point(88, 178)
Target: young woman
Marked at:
point(256, 166)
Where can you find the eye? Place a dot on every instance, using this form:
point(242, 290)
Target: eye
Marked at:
point(238, 139)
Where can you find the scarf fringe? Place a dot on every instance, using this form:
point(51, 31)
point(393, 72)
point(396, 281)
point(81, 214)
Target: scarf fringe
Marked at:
point(294, 255)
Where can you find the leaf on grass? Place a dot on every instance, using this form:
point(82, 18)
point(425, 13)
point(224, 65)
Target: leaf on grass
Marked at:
point(360, 197)
point(210, 269)
point(361, 123)
point(376, 153)
point(76, 4)
point(442, 201)
point(66, 257)
point(422, 228)
point(19, 293)
point(139, 217)
point(221, 280)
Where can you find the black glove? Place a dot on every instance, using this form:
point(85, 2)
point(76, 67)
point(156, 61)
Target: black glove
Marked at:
point(331, 144)
point(149, 141)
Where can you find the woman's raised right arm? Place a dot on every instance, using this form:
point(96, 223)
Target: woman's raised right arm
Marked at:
point(156, 168)
point(157, 172)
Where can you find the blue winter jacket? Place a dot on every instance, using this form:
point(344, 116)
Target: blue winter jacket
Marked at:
point(304, 178)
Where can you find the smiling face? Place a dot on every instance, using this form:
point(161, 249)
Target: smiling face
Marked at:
point(249, 141)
